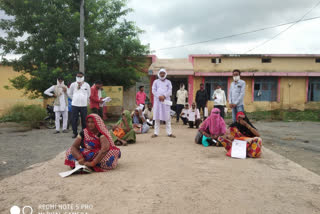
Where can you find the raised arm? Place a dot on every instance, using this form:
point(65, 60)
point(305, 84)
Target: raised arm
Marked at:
point(49, 91)
point(70, 91)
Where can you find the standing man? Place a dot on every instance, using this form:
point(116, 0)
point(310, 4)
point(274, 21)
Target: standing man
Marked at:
point(60, 104)
point(182, 95)
point(79, 92)
point(162, 90)
point(202, 99)
point(236, 94)
point(219, 98)
point(96, 98)
point(141, 96)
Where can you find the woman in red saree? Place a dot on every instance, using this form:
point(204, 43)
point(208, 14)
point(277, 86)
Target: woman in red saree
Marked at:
point(242, 129)
point(94, 147)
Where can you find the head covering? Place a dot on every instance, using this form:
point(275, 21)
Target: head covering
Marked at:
point(128, 117)
point(240, 113)
point(160, 71)
point(100, 126)
point(214, 123)
point(244, 130)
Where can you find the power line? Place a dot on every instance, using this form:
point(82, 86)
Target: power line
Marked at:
point(278, 34)
point(235, 35)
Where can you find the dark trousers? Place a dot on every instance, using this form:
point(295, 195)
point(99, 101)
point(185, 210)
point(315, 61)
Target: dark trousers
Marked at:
point(221, 108)
point(178, 110)
point(201, 106)
point(97, 111)
point(185, 120)
point(69, 119)
point(197, 123)
point(75, 117)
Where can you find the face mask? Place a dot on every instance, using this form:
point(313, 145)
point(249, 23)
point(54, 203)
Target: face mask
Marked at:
point(236, 78)
point(219, 90)
point(79, 79)
point(182, 87)
point(60, 84)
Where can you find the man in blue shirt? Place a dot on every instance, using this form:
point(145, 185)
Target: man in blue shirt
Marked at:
point(236, 94)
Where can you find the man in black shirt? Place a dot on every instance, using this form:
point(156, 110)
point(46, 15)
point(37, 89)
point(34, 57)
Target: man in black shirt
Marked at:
point(202, 99)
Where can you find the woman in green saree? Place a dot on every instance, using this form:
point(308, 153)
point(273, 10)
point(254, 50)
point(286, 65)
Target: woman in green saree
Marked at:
point(125, 123)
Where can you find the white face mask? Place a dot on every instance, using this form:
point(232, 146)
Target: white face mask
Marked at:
point(219, 90)
point(236, 78)
point(79, 79)
point(182, 87)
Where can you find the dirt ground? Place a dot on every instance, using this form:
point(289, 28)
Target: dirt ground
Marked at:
point(162, 175)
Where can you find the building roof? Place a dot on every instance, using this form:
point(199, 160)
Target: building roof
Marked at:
point(255, 55)
point(173, 66)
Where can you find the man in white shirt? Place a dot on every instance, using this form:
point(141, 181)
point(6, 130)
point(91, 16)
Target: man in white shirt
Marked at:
point(194, 116)
point(59, 92)
point(182, 95)
point(79, 92)
point(184, 114)
point(219, 98)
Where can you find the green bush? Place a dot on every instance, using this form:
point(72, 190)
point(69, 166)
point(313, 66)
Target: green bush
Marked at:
point(32, 115)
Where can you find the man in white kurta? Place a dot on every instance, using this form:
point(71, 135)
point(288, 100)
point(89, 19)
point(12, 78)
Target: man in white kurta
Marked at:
point(59, 92)
point(162, 91)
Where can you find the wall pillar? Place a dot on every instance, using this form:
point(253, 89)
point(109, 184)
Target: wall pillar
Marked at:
point(190, 88)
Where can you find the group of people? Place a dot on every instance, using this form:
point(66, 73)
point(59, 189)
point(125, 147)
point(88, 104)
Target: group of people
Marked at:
point(75, 99)
point(95, 145)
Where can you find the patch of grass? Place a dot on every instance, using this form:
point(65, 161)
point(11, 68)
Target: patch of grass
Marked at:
point(32, 115)
point(283, 115)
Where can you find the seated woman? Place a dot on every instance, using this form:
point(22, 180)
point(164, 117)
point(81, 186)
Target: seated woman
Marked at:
point(94, 147)
point(194, 116)
point(242, 129)
point(140, 125)
point(212, 128)
point(123, 132)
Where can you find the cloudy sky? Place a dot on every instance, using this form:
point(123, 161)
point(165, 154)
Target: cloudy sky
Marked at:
point(170, 23)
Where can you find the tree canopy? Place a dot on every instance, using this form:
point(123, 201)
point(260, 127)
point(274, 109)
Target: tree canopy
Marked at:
point(45, 33)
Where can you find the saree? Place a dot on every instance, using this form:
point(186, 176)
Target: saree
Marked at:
point(254, 144)
point(91, 147)
point(130, 136)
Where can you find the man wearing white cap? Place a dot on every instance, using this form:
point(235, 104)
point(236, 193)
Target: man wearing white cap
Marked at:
point(162, 90)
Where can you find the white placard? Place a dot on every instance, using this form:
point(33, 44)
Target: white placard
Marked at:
point(205, 112)
point(76, 168)
point(239, 149)
point(167, 102)
point(106, 100)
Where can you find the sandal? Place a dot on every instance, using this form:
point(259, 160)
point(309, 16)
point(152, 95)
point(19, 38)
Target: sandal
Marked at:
point(171, 135)
point(154, 135)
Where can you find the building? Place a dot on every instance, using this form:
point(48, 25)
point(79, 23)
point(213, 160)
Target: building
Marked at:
point(272, 81)
point(9, 95)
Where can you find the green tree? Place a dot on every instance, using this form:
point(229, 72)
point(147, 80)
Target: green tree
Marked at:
point(45, 33)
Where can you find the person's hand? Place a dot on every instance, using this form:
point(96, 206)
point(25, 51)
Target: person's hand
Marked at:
point(214, 136)
point(89, 164)
point(161, 98)
point(55, 96)
point(81, 161)
point(101, 100)
point(230, 137)
point(114, 127)
point(64, 89)
point(243, 122)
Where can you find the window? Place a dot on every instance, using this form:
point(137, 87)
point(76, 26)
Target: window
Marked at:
point(314, 89)
point(216, 60)
point(212, 82)
point(266, 60)
point(317, 60)
point(265, 88)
